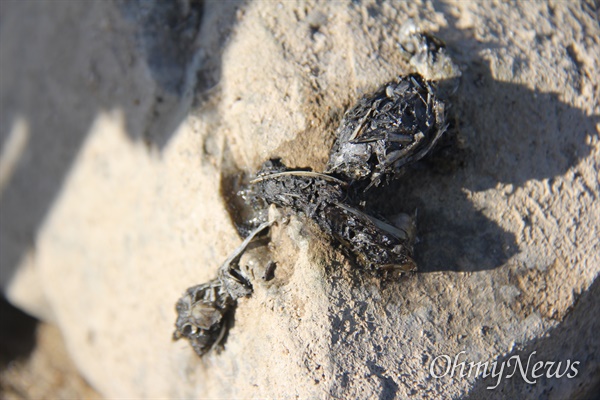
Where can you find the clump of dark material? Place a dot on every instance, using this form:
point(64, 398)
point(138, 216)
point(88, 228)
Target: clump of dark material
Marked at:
point(302, 191)
point(395, 126)
point(386, 131)
point(200, 315)
point(325, 200)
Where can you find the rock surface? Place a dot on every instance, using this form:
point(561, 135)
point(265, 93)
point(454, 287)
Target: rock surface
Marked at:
point(48, 372)
point(122, 140)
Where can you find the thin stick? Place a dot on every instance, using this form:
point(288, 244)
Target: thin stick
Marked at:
point(237, 253)
point(399, 233)
point(298, 173)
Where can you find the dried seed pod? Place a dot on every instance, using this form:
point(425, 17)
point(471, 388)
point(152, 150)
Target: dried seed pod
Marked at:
point(200, 315)
point(393, 127)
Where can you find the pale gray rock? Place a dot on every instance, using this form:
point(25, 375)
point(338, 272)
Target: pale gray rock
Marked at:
point(116, 177)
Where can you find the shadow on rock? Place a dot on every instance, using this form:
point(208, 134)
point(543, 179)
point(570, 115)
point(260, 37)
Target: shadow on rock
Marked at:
point(55, 96)
point(17, 334)
point(503, 134)
point(574, 339)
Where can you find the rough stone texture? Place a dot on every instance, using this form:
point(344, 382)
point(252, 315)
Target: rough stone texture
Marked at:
point(115, 193)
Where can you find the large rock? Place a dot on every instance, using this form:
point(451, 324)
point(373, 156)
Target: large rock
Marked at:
point(117, 194)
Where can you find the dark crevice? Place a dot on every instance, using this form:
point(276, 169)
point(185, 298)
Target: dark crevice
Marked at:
point(17, 333)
